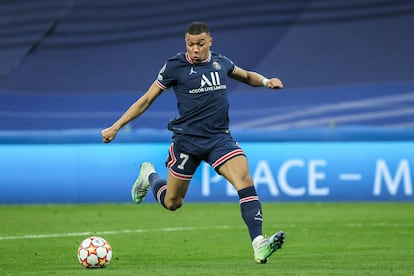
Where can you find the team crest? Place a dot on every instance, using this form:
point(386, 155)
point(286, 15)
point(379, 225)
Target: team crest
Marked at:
point(216, 65)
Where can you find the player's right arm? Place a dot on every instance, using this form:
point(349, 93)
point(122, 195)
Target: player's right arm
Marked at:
point(134, 111)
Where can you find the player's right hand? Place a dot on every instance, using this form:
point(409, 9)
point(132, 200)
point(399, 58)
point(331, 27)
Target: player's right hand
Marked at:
point(108, 134)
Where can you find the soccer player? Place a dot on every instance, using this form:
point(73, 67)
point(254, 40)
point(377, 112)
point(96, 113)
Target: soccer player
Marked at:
point(201, 132)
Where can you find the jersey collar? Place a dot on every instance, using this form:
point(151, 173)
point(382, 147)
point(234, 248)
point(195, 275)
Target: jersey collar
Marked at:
point(187, 57)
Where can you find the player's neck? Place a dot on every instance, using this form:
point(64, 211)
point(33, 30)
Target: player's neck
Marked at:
point(187, 56)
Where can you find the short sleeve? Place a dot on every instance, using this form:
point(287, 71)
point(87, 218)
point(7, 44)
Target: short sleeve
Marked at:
point(231, 67)
point(165, 77)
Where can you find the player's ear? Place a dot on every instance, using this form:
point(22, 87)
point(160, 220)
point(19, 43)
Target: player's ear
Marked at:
point(211, 41)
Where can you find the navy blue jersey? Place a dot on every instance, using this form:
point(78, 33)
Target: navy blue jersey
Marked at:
point(200, 89)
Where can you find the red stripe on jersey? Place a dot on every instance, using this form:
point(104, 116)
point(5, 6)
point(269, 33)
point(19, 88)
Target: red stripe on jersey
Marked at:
point(249, 199)
point(173, 158)
point(162, 189)
point(172, 155)
point(227, 157)
point(187, 57)
point(180, 176)
point(171, 164)
point(160, 85)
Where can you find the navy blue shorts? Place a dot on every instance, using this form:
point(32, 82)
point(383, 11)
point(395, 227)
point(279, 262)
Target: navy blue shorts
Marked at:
point(186, 153)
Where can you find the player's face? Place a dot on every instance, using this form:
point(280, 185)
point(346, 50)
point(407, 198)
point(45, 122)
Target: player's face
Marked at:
point(198, 46)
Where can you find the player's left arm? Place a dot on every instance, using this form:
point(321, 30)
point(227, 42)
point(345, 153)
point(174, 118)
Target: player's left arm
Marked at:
point(255, 79)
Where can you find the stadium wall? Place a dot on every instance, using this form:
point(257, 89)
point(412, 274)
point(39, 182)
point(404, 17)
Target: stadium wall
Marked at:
point(74, 167)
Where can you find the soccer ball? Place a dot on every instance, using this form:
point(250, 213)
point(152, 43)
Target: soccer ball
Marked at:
point(94, 252)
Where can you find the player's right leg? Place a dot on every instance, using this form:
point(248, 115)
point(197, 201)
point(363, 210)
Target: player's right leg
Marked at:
point(171, 198)
point(181, 166)
point(140, 188)
point(175, 192)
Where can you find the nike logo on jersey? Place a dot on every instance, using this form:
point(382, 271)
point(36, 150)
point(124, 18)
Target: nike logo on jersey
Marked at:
point(258, 215)
point(192, 71)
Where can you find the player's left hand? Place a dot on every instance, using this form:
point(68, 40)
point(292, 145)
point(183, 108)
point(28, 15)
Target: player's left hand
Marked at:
point(274, 83)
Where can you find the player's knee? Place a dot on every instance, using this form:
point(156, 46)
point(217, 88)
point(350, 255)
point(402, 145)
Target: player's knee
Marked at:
point(247, 179)
point(243, 181)
point(173, 207)
point(174, 204)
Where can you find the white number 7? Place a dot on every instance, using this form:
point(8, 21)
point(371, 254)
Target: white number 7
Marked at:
point(184, 157)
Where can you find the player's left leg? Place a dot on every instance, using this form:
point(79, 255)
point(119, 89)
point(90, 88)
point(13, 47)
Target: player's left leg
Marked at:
point(236, 171)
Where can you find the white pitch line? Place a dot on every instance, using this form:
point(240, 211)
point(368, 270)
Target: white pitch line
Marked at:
point(380, 224)
point(132, 231)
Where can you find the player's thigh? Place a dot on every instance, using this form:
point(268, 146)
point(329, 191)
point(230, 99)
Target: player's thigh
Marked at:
point(236, 171)
point(176, 188)
point(181, 163)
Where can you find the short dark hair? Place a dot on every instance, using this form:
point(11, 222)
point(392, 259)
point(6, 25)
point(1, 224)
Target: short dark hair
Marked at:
point(197, 27)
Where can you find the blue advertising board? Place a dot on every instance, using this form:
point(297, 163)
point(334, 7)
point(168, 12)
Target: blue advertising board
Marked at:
point(282, 171)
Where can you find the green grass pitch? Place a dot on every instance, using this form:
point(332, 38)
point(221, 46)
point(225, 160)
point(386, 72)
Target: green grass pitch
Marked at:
point(210, 239)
